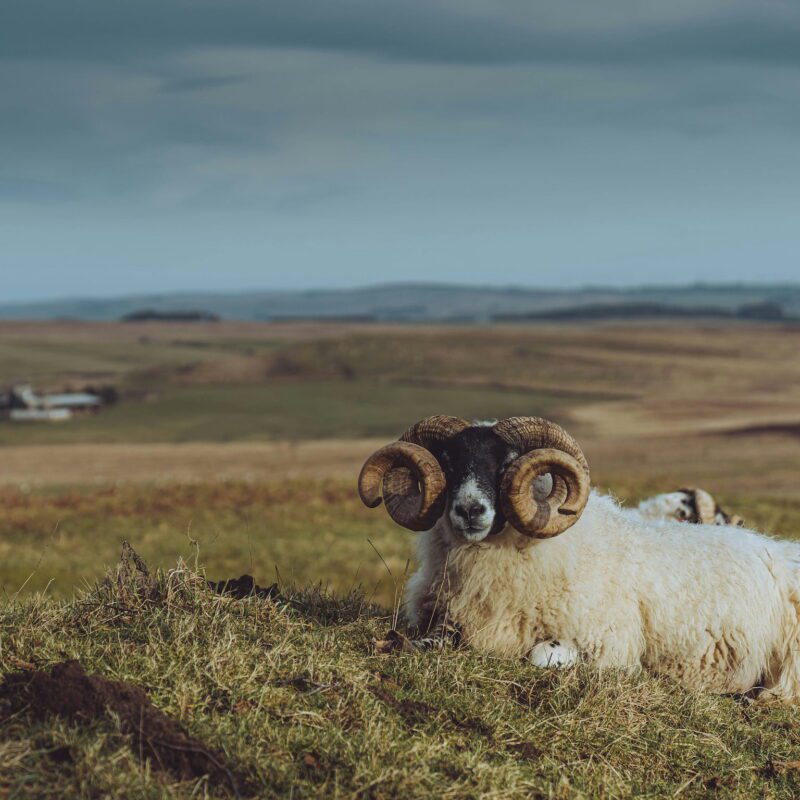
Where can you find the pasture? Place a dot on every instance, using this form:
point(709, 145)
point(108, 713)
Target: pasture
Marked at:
point(235, 447)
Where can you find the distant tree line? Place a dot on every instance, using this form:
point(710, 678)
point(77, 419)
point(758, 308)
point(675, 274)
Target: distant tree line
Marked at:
point(765, 311)
point(151, 315)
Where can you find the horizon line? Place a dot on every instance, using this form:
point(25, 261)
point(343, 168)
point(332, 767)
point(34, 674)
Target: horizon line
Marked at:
point(388, 285)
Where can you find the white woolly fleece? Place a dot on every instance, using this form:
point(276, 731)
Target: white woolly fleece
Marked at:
point(715, 607)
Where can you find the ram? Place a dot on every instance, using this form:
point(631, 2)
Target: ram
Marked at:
point(688, 505)
point(572, 575)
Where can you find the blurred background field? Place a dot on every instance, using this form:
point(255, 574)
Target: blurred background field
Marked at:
point(238, 444)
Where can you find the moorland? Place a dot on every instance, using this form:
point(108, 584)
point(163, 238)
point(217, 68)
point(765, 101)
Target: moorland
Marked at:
point(235, 447)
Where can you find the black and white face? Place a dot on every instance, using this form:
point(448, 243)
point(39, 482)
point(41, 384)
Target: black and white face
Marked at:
point(473, 462)
point(682, 506)
point(679, 505)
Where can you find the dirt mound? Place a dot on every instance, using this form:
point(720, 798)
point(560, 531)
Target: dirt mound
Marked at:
point(243, 587)
point(67, 691)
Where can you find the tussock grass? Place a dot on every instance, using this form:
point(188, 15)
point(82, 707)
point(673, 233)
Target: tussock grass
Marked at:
point(289, 690)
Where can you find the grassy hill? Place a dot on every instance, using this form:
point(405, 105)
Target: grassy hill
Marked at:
point(285, 697)
point(236, 446)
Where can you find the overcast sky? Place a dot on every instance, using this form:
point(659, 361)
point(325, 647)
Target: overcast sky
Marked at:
point(155, 145)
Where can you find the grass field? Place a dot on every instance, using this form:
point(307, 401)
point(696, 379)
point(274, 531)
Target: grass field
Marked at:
point(236, 448)
point(303, 531)
point(220, 424)
point(281, 410)
point(289, 697)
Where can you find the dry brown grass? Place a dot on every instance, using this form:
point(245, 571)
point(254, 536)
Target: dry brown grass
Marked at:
point(295, 703)
point(290, 691)
point(655, 406)
point(98, 464)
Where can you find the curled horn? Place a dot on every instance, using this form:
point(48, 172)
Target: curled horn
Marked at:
point(543, 447)
point(706, 509)
point(703, 505)
point(407, 476)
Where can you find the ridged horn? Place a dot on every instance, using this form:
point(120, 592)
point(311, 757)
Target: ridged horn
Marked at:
point(704, 505)
point(407, 476)
point(543, 447)
point(434, 430)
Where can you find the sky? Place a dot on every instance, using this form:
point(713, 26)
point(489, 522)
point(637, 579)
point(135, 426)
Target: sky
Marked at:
point(167, 145)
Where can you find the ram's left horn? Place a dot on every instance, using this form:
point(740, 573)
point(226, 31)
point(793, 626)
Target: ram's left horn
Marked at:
point(407, 475)
point(545, 448)
point(411, 482)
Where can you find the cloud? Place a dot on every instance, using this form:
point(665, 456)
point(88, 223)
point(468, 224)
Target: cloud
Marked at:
point(199, 83)
point(333, 139)
point(24, 189)
point(486, 32)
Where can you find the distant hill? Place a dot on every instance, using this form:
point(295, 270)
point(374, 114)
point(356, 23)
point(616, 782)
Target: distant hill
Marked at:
point(416, 302)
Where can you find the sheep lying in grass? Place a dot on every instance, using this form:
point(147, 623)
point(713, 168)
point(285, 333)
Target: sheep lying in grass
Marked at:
point(574, 575)
point(688, 505)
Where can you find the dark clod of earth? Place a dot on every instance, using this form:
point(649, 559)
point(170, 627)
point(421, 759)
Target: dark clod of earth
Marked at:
point(68, 692)
point(243, 587)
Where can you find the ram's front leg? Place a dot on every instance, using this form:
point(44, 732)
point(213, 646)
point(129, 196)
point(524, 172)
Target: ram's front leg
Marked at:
point(437, 637)
point(435, 628)
point(443, 633)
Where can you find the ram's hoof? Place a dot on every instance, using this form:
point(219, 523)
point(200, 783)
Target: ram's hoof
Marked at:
point(554, 653)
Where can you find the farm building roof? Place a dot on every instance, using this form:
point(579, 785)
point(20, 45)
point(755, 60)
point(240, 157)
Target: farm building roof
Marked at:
point(71, 400)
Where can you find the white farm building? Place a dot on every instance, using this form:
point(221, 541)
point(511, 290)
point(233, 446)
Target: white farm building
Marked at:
point(23, 404)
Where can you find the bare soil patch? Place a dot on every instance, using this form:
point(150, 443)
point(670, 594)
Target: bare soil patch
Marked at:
point(68, 691)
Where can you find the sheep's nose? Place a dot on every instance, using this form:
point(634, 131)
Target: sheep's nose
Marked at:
point(471, 512)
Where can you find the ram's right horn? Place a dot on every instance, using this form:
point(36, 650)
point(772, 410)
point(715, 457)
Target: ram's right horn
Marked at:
point(544, 448)
point(407, 476)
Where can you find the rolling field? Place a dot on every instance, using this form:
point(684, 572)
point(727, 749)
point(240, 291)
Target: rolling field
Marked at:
point(247, 412)
point(235, 447)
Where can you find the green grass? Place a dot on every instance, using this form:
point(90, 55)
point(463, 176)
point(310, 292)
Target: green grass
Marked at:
point(280, 410)
point(305, 531)
point(291, 691)
point(227, 384)
point(302, 530)
point(291, 694)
